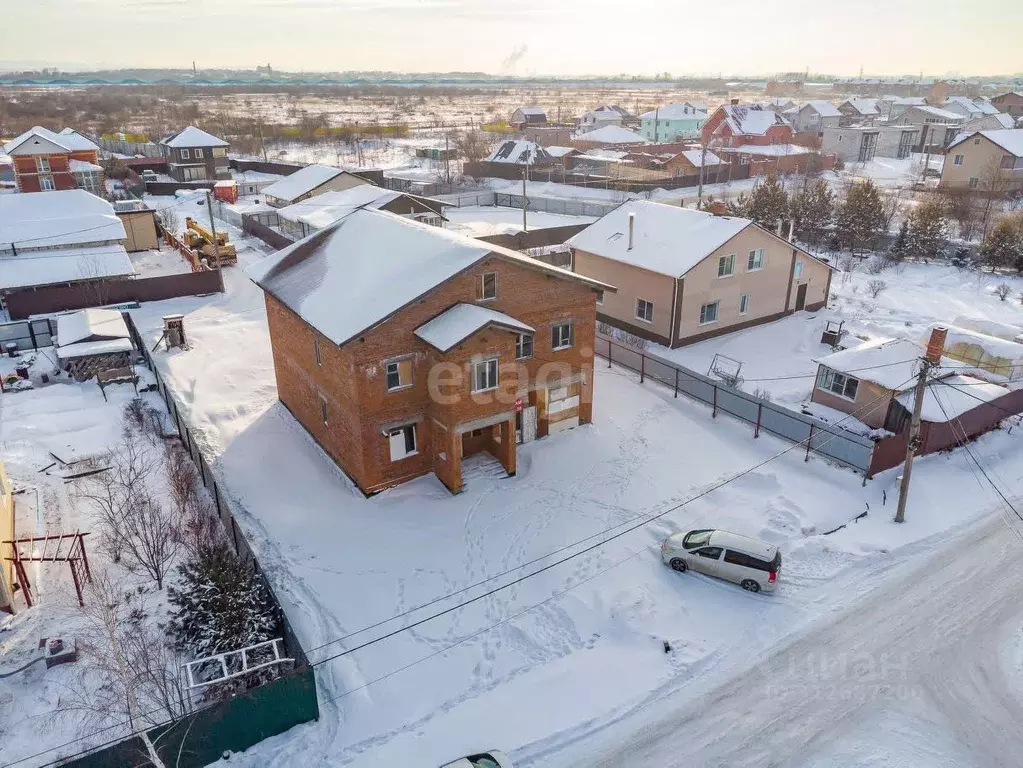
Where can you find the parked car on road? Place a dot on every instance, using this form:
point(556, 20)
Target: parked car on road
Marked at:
point(752, 564)
point(491, 759)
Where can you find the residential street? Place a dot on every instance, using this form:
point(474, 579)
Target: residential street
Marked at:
point(927, 646)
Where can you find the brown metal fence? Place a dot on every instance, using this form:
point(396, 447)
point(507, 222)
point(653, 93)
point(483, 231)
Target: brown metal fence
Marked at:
point(834, 443)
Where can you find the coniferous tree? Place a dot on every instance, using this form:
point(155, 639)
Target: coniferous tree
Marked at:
point(1003, 246)
point(811, 209)
point(769, 203)
point(900, 247)
point(740, 206)
point(860, 218)
point(926, 237)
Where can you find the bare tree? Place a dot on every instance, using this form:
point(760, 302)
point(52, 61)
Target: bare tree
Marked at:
point(1002, 291)
point(876, 287)
point(994, 185)
point(151, 538)
point(170, 220)
point(473, 146)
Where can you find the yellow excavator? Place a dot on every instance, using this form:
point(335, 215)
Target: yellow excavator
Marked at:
point(200, 238)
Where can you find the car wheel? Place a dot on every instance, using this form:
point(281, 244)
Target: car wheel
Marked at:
point(750, 586)
point(678, 564)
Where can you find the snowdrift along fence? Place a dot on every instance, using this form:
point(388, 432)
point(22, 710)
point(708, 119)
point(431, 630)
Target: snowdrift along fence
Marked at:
point(202, 736)
point(846, 448)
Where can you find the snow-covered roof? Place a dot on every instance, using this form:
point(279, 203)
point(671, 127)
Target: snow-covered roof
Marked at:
point(323, 210)
point(1011, 140)
point(532, 111)
point(769, 150)
point(82, 166)
point(823, 108)
point(751, 119)
point(696, 157)
point(347, 278)
point(865, 107)
point(608, 110)
point(58, 218)
point(981, 106)
point(463, 320)
point(943, 114)
point(666, 239)
point(611, 134)
point(992, 345)
point(560, 151)
point(519, 152)
point(951, 397)
point(892, 363)
point(910, 101)
point(676, 111)
point(104, 323)
point(990, 327)
point(302, 182)
point(89, 348)
point(193, 137)
point(39, 140)
point(66, 265)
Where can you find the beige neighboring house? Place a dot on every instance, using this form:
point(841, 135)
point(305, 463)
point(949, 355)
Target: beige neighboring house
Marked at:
point(685, 275)
point(989, 161)
point(308, 182)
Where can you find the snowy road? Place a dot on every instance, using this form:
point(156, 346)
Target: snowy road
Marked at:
point(923, 651)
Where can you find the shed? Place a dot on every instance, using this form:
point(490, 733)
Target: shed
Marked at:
point(91, 341)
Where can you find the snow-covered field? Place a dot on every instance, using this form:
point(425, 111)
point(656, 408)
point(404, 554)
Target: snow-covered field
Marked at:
point(916, 296)
point(539, 666)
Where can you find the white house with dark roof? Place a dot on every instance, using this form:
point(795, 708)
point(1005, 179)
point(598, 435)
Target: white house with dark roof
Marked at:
point(195, 155)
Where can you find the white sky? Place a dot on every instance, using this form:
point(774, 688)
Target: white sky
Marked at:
point(559, 37)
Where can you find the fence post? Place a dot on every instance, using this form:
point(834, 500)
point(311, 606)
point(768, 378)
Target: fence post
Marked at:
point(808, 441)
point(642, 367)
point(609, 346)
point(760, 410)
point(676, 382)
point(714, 413)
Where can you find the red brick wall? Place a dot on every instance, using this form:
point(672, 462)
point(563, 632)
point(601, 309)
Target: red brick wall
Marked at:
point(353, 378)
point(27, 174)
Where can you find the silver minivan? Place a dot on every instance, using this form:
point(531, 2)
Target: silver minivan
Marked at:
point(752, 564)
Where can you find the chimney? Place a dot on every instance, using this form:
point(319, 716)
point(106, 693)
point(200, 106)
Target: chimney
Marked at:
point(718, 207)
point(632, 228)
point(734, 102)
point(936, 344)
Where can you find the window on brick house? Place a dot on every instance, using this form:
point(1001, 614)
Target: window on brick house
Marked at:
point(488, 286)
point(561, 336)
point(484, 375)
point(46, 183)
point(323, 408)
point(523, 346)
point(399, 374)
point(402, 442)
point(316, 350)
point(43, 164)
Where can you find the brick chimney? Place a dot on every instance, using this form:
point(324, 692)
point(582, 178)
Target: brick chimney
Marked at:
point(718, 207)
point(936, 344)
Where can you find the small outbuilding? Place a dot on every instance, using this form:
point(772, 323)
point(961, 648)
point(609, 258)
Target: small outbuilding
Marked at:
point(92, 341)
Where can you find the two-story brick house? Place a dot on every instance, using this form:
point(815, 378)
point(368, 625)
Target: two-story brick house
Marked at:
point(402, 347)
point(46, 161)
point(194, 155)
point(735, 125)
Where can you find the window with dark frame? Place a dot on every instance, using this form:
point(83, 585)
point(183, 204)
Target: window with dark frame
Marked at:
point(744, 304)
point(561, 336)
point(402, 442)
point(523, 346)
point(488, 286)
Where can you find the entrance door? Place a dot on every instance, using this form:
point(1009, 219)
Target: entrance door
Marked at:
point(525, 424)
point(801, 297)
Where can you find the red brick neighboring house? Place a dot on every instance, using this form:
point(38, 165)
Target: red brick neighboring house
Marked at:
point(47, 161)
point(403, 348)
point(1010, 103)
point(733, 125)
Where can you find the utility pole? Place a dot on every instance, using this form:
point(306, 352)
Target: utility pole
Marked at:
point(703, 164)
point(524, 227)
point(447, 166)
point(935, 346)
point(262, 145)
point(927, 154)
point(213, 230)
point(657, 113)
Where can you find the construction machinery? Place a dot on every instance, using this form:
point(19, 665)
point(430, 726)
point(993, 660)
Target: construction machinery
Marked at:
point(201, 239)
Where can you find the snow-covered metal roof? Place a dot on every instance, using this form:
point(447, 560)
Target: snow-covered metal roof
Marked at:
point(943, 114)
point(323, 210)
point(102, 323)
point(612, 134)
point(193, 137)
point(519, 152)
point(666, 239)
point(676, 111)
point(865, 107)
point(347, 278)
point(951, 397)
point(1011, 140)
point(302, 182)
point(89, 348)
point(823, 108)
point(891, 363)
point(39, 140)
point(769, 150)
point(751, 119)
point(66, 265)
point(82, 166)
point(696, 157)
point(463, 320)
point(58, 218)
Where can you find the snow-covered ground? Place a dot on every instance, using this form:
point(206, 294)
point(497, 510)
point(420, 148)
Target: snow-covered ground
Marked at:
point(916, 296)
point(480, 220)
point(545, 663)
point(165, 261)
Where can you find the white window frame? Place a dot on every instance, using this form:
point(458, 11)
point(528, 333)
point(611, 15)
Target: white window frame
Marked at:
point(558, 337)
point(755, 262)
point(198, 154)
point(644, 310)
point(483, 286)
point(957, 160)
point(744, 302)
point(490, 369)
point(520, 346)
point(828, 378)
point(397, 370)
point(797, 270)
point(704, 312)
point(43, 165)
point(726, 262)
point(398, 439)
point(46, 183)
point(185, 155)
